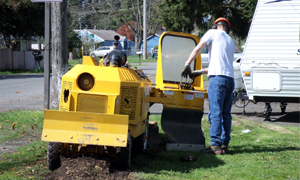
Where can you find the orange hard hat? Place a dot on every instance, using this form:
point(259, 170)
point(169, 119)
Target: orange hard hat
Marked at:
point(222, 19)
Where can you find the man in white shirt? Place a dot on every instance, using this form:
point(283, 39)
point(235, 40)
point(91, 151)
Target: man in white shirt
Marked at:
point(221, 82)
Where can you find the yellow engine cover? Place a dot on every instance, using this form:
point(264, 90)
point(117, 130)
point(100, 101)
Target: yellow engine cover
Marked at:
point(99, 105)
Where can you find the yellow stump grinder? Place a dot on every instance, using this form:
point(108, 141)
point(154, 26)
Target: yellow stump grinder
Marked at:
point(104, 108)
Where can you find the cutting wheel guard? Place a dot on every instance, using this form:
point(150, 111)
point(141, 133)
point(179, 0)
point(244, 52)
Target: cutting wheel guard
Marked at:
point(183, 125)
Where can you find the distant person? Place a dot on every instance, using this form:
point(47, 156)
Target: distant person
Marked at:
point(152, 52)
point(116, 57)
point(115, 45)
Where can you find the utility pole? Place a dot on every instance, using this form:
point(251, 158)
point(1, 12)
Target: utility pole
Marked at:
point(47, 55)
point(59, 49)
point(145, 29)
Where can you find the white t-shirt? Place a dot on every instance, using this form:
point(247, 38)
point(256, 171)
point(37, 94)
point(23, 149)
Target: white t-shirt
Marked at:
point(221, 53)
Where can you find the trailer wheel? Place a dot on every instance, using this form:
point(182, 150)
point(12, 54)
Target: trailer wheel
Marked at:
point(123, 155)
point(53, 155)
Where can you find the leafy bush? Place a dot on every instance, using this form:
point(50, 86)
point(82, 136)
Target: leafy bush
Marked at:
point(80, 53)
point(74, 53)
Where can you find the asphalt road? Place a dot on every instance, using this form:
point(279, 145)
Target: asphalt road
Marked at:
point(21, 92)
point(27, 92)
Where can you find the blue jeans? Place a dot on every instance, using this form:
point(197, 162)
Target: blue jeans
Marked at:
point(220, 91)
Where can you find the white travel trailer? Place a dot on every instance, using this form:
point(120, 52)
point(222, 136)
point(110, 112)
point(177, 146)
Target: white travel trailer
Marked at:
point(270, 64)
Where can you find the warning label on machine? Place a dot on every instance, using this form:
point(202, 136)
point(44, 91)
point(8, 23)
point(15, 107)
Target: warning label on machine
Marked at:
point(189, 96)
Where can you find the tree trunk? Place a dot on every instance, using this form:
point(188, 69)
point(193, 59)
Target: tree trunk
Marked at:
point(59, 49)
point(138, 41)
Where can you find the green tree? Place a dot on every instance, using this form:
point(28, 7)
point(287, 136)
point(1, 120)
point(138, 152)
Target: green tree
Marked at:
point(74, 40)
point(21, 19)
point(182, 16)
point(242, 18)
point(91, 13)
point(111, 14)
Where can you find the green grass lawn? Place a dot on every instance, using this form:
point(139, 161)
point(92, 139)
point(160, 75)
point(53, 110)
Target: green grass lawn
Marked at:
point(135, 59)
point(266, 152)
point(29, 161)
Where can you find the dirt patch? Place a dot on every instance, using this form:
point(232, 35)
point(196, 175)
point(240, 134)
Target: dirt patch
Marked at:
point(235, 123)
point(276, 128)
point(267, 126)
point(87, 168)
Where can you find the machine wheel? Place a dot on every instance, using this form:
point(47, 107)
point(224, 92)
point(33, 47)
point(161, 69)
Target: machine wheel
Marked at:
point(146, 135)
point(93, 55)
point(138, 145)
point(123, 155)
point(53, 155)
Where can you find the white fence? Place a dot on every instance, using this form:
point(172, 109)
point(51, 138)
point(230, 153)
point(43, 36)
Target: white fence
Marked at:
point(10, 60)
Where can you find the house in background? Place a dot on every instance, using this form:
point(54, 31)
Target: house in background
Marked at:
point(151, 41)
point(18, 44)
point(106, 38)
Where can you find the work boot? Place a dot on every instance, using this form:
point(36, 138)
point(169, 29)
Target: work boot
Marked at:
point(213, 149)
point(224, 148)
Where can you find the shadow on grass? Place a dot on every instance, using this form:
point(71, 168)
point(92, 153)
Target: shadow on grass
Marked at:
point(259, 148)
point(292, 117)
point(157, 159)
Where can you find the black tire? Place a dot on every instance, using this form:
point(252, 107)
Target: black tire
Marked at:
point(53, 155)
point(93, 55)
point(139, 144)
point(146, 133)
point(123, 155)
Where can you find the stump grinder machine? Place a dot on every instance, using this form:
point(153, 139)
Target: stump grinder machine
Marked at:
point(105, 109)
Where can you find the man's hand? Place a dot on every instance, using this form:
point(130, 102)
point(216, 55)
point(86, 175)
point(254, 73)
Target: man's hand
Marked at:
point(186, 71)
point(197, 73)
